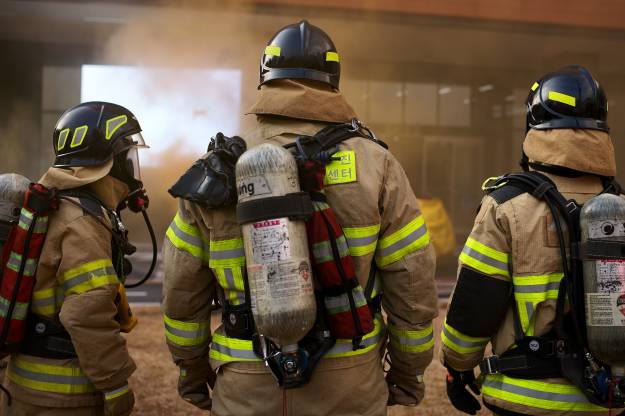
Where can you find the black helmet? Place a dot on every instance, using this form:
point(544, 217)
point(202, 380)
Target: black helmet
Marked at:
point(569, 98)
point(92, 133)
point(300, 51)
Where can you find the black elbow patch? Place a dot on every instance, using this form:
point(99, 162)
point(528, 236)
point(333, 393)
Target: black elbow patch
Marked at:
point(479, 303)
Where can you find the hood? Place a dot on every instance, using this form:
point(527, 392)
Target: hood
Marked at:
point(110, 191)
point(584, 150)
point(70, 178)
point(306, 100)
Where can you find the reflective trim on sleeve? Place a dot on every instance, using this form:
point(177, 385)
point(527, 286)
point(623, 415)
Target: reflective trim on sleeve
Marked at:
point(113, 394)
point(227, 253)
point(411, 341)
point(408, 239)
point(15, 261)
point(538, 394)
point(88, 276)
point(362, 240)
point(460, 343)
point(323, 251)
point(47, 302)
point(529, 291)
point(485, 259)
point(48, 378)
point(185, 334)
point(187, 237)
point(377, 286)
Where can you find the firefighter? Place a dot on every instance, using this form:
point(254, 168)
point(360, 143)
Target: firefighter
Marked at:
point(511, 265)
point(204, 259)
point(73, 360)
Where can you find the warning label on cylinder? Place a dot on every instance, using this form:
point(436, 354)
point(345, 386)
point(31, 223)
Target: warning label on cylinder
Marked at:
point(605, 309)
point(270, 241)
point(284, 280)
point(611, 276)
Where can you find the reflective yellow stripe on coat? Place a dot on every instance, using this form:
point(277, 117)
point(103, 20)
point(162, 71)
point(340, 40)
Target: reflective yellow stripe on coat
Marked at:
point(408, 239)
point(529, 291)
point(227, 260)
point(225, 349)
point(460, 343)
point(536, 393)
point(187, 237)
point(88, 276)
point(411, 341)
point(485, 259)
point(361, 240)
point(48, 378)
point(184, 333)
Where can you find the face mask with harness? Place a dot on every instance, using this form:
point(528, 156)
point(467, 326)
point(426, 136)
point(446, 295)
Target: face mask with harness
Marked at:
point(296, 304)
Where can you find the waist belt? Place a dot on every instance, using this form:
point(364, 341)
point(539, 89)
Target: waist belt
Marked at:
point(238, 321)
point(522, 365)
point(47, 338)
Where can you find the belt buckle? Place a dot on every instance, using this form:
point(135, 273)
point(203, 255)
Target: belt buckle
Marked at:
point(489, 365)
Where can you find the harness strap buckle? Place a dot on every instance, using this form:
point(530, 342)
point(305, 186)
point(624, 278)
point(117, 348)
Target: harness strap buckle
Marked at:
point(490, 365)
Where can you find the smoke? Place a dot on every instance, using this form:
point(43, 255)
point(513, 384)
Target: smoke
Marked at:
point(16, 150)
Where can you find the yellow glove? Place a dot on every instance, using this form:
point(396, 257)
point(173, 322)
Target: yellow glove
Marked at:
point(119, 402)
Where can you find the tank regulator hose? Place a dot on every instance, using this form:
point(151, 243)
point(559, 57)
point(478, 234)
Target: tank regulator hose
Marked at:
point(154, 252)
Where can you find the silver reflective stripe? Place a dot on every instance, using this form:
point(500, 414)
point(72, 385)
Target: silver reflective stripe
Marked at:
point(231, 284)
point(15, 261)
point(462, 343)
point(361, 241)
point(323, 251)
point(185, 333)
point(535, 394)
point(529, 307)
point(109, 395)
point(50, 378)
point(187, 238)
point(233, 352)
point(484, 259)
point(407, 240)
point(340, 303)
point(83, 277)
point(26, 218)
point(19, 311)
point(227, 254)
point(412, 341)
point(540, 288)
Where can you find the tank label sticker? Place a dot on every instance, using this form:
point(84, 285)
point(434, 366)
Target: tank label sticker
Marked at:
point(253, 186)
point(341, 170)
point(605, 309)
point(606, 229)
point(610, 276)
point(285, 280)
point(270, 240)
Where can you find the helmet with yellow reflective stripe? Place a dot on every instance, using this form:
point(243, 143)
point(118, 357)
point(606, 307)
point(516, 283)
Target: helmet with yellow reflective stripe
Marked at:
point(569, 98)
point(300, 51)
point(92, 133)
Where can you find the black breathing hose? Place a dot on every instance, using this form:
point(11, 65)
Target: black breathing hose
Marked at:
point(154, 253)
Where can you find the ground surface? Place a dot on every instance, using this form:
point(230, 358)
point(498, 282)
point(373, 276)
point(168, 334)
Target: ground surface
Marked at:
point(155, 380)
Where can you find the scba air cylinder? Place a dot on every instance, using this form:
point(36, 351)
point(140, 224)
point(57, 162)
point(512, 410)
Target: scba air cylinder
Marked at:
point(602, 222)
point(276, 250)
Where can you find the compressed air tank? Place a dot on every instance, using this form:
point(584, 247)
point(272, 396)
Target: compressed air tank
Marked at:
point(13, 189)
point(276, 249)
point(603, 220)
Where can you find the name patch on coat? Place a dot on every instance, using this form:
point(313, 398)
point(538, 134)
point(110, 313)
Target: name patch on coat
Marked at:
point(342, 170)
